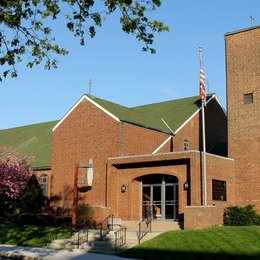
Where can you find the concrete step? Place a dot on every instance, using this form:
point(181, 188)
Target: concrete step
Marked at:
point(131, 225)
point(105, 246)
point(164, 226)
point(62, 244)
point(157, 226)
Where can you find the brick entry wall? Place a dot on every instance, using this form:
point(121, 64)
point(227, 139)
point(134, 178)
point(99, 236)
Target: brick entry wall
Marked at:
point(197, 217)
point(186, 166)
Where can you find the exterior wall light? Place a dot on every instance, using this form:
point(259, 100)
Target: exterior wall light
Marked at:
point(186, 185)
point(123, 188)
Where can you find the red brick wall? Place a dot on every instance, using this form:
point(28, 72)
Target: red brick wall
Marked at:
point(185, 166)
point(222, 169)
point(217, 167)
point(190, 132)
point(86, 133)
point(242, 67)
point(196, 217)
point(215, 124)
point(140, 140)
point(128, 205)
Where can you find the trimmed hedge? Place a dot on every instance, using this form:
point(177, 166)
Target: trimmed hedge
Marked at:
point(241, 216)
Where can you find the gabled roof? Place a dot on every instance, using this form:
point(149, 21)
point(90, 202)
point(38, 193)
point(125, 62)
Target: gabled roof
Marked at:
point(36, 139)
point(30, 140)
point(175, 112)
point(131, 115)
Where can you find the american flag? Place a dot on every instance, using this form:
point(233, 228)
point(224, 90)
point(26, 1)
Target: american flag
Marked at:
point(203, 95)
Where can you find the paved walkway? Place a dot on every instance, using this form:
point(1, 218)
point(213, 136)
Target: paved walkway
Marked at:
point(30, 253)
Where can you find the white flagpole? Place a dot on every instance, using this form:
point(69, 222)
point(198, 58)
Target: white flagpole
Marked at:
point(203, 140)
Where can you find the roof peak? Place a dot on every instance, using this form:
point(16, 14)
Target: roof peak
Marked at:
point(171, 100)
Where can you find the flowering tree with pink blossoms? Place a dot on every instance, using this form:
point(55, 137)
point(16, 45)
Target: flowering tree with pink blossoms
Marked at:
point(15, 172)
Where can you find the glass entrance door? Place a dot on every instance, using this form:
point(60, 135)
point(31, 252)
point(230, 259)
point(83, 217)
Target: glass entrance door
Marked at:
point(160, 200)
point(152, 201)
point(171, 201)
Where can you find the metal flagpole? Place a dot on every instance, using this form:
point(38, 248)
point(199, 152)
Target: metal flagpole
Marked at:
point(203, 103)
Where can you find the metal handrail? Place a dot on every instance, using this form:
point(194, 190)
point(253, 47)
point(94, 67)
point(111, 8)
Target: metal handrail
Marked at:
point(145, 226)
point(105, 226)
point(120, 237)
point(82, 236)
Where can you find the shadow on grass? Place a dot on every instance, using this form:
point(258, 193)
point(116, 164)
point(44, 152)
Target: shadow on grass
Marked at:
point(147, 254)
point(26, 235)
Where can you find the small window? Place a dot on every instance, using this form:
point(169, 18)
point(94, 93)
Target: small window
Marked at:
point(219, 190)
point(44, 184)
point(186, 145)
point(248, 98)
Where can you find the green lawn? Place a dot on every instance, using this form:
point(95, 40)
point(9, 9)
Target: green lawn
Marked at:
point(216, 243)
point(29, 235)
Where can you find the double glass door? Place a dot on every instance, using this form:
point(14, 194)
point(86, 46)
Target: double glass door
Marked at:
point(160, 200)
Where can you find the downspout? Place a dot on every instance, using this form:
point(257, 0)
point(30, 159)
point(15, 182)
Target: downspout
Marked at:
point(106, 188)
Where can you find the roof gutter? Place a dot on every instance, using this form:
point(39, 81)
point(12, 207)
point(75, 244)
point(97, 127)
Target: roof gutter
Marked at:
point(42, 168)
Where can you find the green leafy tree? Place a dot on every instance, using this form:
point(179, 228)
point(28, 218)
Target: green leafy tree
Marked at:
point(25, 30)
point(84, 215)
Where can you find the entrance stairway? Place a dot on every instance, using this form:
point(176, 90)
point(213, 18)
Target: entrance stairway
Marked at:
point(107, 246)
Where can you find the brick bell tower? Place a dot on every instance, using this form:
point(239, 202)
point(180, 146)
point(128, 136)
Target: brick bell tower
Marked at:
point(243, 107)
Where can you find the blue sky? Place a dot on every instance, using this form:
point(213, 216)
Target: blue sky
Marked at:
point(121, 72)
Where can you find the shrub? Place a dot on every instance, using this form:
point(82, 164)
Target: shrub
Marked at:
point(32, 199)
point(241, 216)
point(84, 215)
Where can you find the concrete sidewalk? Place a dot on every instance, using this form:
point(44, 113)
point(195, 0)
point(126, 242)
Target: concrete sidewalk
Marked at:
point(33, 253)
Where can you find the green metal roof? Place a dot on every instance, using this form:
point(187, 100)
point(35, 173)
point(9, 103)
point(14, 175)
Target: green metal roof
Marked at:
point(36, 139)
point(174, 112)
point(131, 115)
point(30, 140)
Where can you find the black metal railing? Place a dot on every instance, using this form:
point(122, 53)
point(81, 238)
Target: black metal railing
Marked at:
point(145, 226)
point(106, 225)
point(120, 237)
point(82, 236)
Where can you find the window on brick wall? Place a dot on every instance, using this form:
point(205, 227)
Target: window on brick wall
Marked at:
point(219, 190)
point(248, 98)
point(44, 184)
point(186, 145)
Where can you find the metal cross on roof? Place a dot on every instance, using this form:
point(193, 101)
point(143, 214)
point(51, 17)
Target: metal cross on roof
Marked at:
point(252, 19)
point(90, 83)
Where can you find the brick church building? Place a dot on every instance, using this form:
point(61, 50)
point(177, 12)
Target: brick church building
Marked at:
point(131, 160)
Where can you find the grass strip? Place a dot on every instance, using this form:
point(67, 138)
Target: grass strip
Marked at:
point(215, 243)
